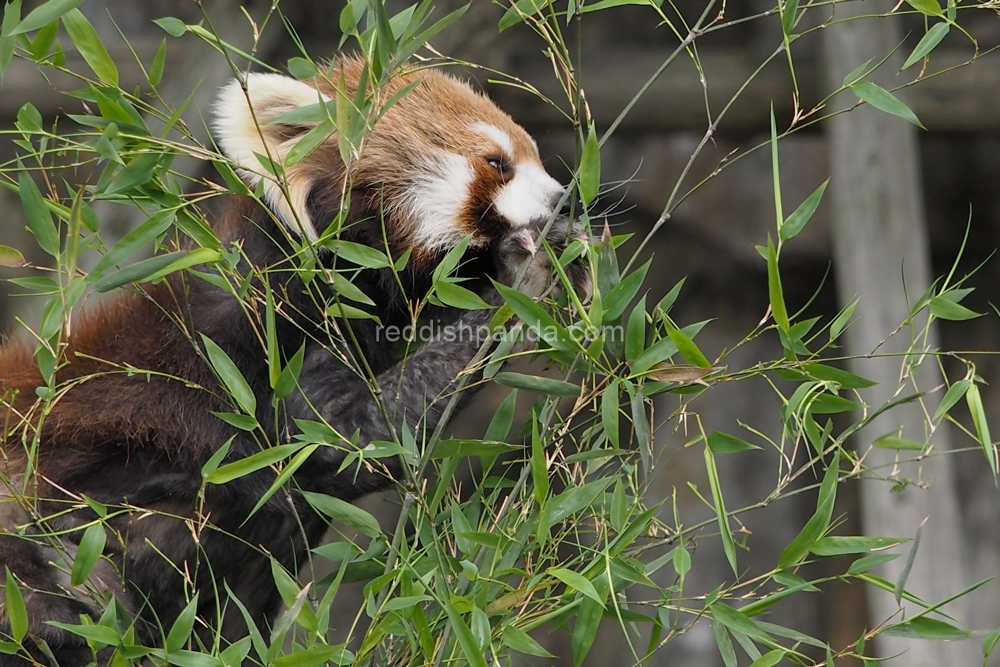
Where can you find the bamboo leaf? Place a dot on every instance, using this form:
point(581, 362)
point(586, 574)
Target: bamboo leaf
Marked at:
point(11, 257)
point(521, 642)
point(17, 613)
point(537, 384)
point(182, 627)
point(975, 403)
point(88, 553)
point(252, 463)
point(927, 43)
point(797, 220)
point(91, 46)
point(456, 296)
point(577, 582)
point(952, 396)
point(819, 523)
point(728, 545)
point(949, 310)
point(41, 16)
point(37, 211)
point(231, 376)
point(883, 100)
point(344, 512)
point(466, 640)
point(722, 443)
point(590, 168)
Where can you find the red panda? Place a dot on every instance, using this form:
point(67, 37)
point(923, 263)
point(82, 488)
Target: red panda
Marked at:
point(131, 427)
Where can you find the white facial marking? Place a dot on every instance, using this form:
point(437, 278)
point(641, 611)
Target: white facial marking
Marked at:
point(497, 136)
point(436, 200)
point(529, 196)
point(240, 134)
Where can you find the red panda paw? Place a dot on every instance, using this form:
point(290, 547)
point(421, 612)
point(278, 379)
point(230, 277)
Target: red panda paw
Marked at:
point(521, 255)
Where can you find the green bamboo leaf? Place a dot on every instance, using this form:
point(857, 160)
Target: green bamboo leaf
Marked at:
point(138, 172)
point(590, 168)
point(182, 627)
point(927, 628)
point(11, 17)
point(577, 582)
point(101, 634)
point(893, 442)
point(617, 300)
point(289, 377)
point(570, 502)
point(216, 459)
point(839, 546)
point(635, 333)
point(37, 211)
point(231, 376)
point(136, 240)
point(463, 448)
point(722, 443)
point(725, 644)
point(774, 289)
point(159, 62)
point(41, 16)
point(769, 659)
point(588, 619)
point(242, 422)
point(309, 142)
point(899, 590)
point(845, 379)
point(975, 403)
point(539, 470)
point(252, 463)
point(306, 115)
point(862, 565)
point(728, 545)
point(687, 348)
point(521, 642)
point(990, 643)
point(473, 654)
point(302, 68)
point(357, 253)
point(952, 396)
point(842, 320)
point(456, 296)
point(319, 655)
point(90, 45)
point(946, 309)
point(797, 220)
point(926, 7)
point(537, 384)
point(17, 613)
point(607, 4)
point(344, 512)
point(736, 621)
point(138, 272)
point(519, 11)
point(927, 43)
point(503, 419)
point(285, 475)
point(788, 11)
point(819, 523)
point(609, 412)
point(828, 404)
point(883, 100)
point(88, 553)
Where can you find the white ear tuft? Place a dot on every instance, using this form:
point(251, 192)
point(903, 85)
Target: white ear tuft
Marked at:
point(241, 133)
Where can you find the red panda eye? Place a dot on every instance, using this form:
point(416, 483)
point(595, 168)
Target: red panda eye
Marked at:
point(499, 165)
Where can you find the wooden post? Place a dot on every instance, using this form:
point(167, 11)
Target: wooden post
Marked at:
point(880, 244)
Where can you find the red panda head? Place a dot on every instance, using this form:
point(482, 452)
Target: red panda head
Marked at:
point(441, 164)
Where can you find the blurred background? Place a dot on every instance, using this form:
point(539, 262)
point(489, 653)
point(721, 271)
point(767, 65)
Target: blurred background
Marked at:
point(917, 186)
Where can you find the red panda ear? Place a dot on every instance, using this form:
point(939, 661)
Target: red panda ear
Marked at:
point(243, 130)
